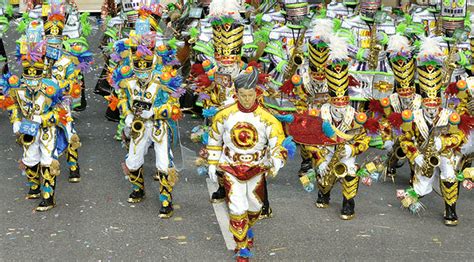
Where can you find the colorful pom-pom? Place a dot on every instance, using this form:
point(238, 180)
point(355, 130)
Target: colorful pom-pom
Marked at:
point(296, 80)
point(462, 85)
point(361, 118)
point(407, 115)
point(207, 65)
point(162, 49)
point(126, 71)
point(454, 119)
point(50, 90)
point(165, 78)
point(13, 81)
point(249, 69)
point(385, 102)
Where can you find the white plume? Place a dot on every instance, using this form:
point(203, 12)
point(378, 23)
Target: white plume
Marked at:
point(323, 29)
point(338, 48)
point(397, 43)
point(225, 7)
point(430, 46)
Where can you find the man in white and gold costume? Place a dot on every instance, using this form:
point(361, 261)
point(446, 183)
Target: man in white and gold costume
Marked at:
point(246, 143)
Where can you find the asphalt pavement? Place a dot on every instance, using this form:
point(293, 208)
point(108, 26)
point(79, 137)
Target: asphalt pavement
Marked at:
point(94, 222)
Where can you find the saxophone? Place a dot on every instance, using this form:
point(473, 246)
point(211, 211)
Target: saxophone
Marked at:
point(375, 48)
point(297, 56)
point(450, 65)
point(338, 170)
point(432, 159)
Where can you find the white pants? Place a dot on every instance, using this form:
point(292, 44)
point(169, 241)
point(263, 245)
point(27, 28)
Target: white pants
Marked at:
point(158, 135)
point(424, 185)
point(42, 149)
point(243, 195)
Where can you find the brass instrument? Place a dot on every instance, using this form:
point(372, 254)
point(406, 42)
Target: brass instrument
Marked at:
point(375, 48)
point(137, 127)
point(339, 169)
point(297, 56)
point(450, 65)
point(25, 140)
point(432, 159)
point(398, 153)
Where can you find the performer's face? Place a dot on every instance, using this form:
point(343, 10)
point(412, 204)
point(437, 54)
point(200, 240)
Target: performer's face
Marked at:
point(246, 97)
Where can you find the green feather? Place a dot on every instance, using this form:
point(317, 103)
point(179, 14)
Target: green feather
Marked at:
point(336, 24)
point(227, 20)
point(259, 19)
point(193, 32)
point(25, 20)
point(172, 43)
point(9, 10)
point(86, 26)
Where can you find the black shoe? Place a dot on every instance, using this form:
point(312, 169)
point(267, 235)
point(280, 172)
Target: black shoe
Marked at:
point(166, 212)
point(391, 173)
point(266, 212)
point(74, 175)
point(113, 116)
point(347, 212)
point(46, 204)
point(136, 196)
point(450, 217)
point(323, 200)
point(219, 195)
point(34, 193)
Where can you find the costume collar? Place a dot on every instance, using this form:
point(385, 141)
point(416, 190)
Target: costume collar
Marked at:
point(245, 110)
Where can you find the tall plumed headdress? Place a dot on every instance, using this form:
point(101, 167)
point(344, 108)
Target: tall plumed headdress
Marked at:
point(337, 71)
point(227, 31)
point(403, 65)
point(318, 47)
point(430, 71)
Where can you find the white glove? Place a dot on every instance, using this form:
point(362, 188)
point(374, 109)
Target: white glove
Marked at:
point(129, 120)
point(322, 167)
point(420, 160)
point(147, 114)
point(388, 145)
point(16, 127)
point(277, 165)
point(212, 173)
point(438, 144)
point(37, 119)
point(347, 151)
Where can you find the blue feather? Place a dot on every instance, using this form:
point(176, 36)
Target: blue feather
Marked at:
point(327, 129)
point(244, 252)
point(210, 112)
point(205, 138)
point(285, 118)
point(202, 170)
point(290, 146)
point(250, 233)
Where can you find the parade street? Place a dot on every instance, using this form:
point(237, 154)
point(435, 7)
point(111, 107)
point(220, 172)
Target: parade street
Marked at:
point(93, 221)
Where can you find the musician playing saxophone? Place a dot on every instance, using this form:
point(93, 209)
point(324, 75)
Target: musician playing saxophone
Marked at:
point(342, 125)
point(431, 137)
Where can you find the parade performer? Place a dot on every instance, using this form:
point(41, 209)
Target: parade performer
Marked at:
point(344, 134)
point(149, 102)
point(427, 13)
point(431, 137)
point(402, 62)
point(246, 143)
point(371, 29)
point(36, 112)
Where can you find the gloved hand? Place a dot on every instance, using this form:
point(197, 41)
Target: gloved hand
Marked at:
point(147, 114)
point(212, 173)
point(277, 165)
point(322, 168)
point(129, 120)
point(420, 160)
point(347, 151)
point(16, 127)
point(388, 145)
point(438, 144)
point(37, 119)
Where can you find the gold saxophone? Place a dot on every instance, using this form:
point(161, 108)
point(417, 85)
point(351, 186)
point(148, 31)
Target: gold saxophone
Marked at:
point(432, 159)
point(297, 56)
point(25, 140)
point(338, 169)
point(375, 48)
point(137, 127)
point(450, 65)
